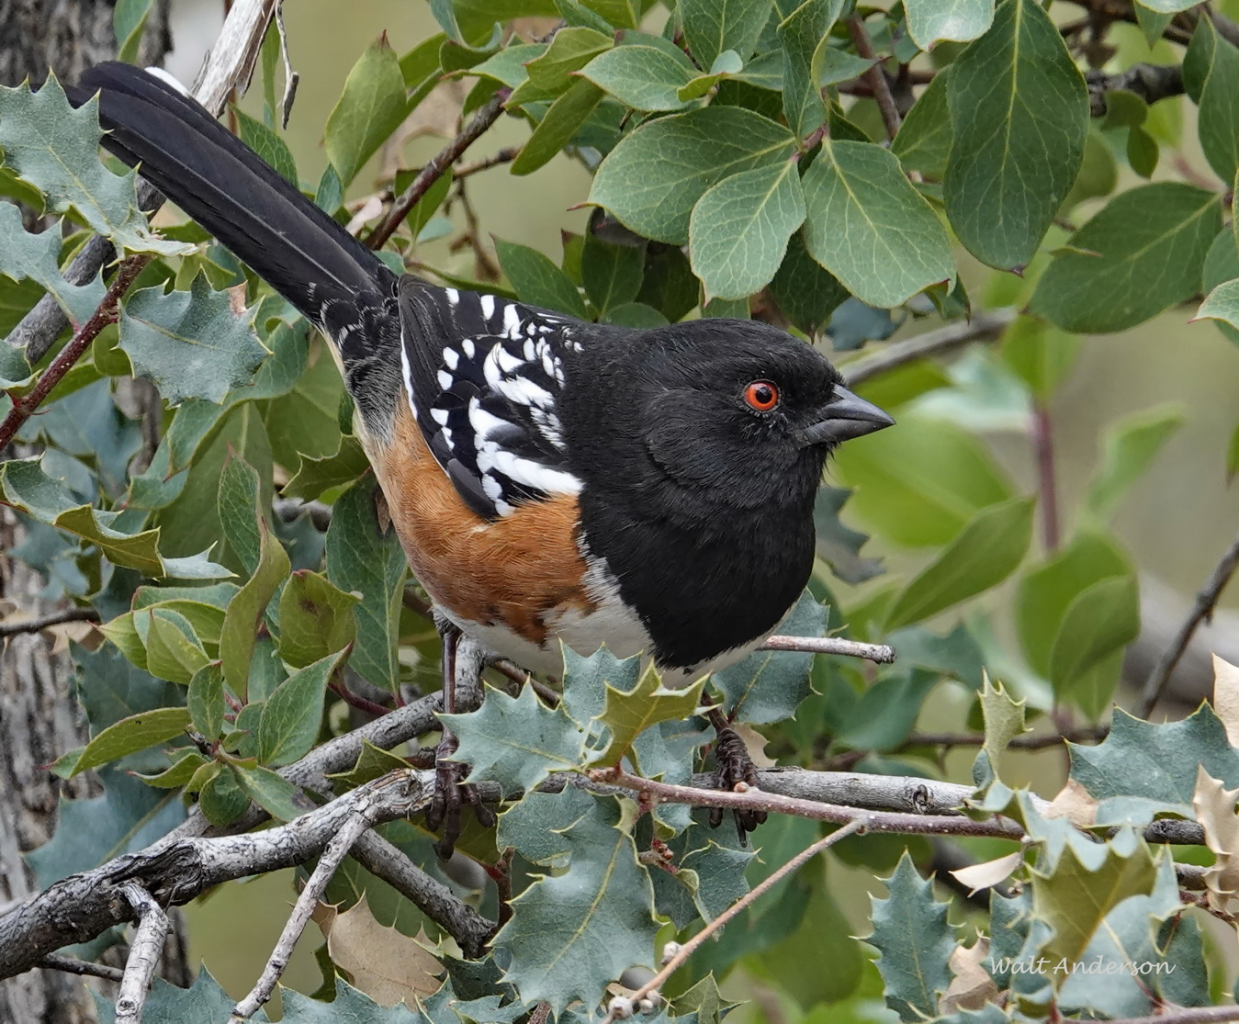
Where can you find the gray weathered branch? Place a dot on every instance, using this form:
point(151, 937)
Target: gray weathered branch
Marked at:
point(144, 953)
point(985, 325)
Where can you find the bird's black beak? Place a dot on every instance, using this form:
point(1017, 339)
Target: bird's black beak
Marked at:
point(847, 416)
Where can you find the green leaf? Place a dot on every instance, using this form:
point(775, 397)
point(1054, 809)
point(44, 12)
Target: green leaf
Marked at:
point(641, 77)
point(612, 274)
point(508, 65)
point(838, 545)
point(372, 763)
point(869, 227)
point(557, 126)
point(245, 611)
point(240, 512)
point(1232, 455)
point(267, 144)
point(24, 256)
point(574, 932)
point(361, 561)
point(1218, 122)
point(803, 38)
point(369, 109)
point(1151, 23)
point(55, 148)
point(221, 800)
point(805, 291)
point(1142, 769)
point(768, 686)
point(1046, 592)
point(129, 21)
point(924, 140)
point(919, 485)
point(205, 701)
point(293, 713)
point(911, 931)
point(727, 65)
point(988, 550)
point(1019, 112)
point(886, 712)
point(587, 679)
point(182, 770)
point(316, 619)
point(189, 344)
point(1102, 619)
point(1004, 720)
point(111, 688)
point(272, 792)
point(739, 229)
point(516, 741)
point(712, 27)
point(314, 476)
point(1222, 303)
point(1140, 255)
point(1040, 354)
point(349, 1006)
point(628, 713)
point(550, 74)
point(652, 180)
point(173, 651)
point(537, 280)
point(1129, 446)
point(930, 21)
point(132, 734)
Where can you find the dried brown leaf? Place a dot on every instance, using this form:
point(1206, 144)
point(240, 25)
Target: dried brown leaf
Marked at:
point(971, 987)
point(382, 962)
point(1074, 803)
point(1215, 810)
point(1226, 697)
point(988, 874)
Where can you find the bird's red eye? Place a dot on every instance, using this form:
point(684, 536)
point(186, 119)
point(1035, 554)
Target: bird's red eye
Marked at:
point(761, 395)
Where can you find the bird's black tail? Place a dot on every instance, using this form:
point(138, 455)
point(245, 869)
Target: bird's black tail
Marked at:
point(228, 189)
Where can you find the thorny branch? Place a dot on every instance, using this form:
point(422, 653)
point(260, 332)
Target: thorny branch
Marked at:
point(144, 953)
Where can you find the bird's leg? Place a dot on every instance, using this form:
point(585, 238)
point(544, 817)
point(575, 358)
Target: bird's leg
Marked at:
point(461, 657)
point(732, 766)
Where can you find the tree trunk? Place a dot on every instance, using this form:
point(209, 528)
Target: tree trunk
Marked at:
point(39, 715)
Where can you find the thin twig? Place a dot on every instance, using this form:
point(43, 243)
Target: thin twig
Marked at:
point(875, 76)
point(1194, 1015)
point(503, 156)
point(12, 628)
point(1047, 489)
point(1201, 611)
point(144, 953)
point(1151, 82)
point(880, 653)
point(106, 314)
point(758, 891)
point(1084, 734)
point(439, 163)
point(985, 325)
point(72, 965)
point(291, 78)
point(361, 819)
point(753, 799)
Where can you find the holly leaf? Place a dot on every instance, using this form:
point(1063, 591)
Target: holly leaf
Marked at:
point(628, 713)
point(1142, 769)
point(55, 147)
point(768, 686)
point(838, 545)
point(203, 1001)
point(911, 931)
point(574, 932)
point(189, 344)
point(24, 256)
point(516, 741)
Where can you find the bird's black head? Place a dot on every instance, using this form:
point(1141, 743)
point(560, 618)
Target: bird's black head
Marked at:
point(731, 412)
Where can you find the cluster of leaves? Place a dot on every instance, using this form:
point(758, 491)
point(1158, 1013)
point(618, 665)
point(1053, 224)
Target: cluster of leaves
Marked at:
point(732, 171)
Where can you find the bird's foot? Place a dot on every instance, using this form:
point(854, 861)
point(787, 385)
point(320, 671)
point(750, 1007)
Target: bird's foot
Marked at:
point(450, 797)
point(734, 766)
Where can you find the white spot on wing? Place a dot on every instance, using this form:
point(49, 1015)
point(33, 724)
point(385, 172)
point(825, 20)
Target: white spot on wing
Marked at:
point(439, 416)
point(453, 296)
point(511, 321)
point(451, 358)
point(488, 306)
point(408, 378)
point(445, 379)
point(168, 79)
point(468, 348)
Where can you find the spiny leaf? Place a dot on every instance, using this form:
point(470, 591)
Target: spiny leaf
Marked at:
point(36, 257)
point(516, 741)
point(55, 148)
point(910, 930)
point(627, 714)
point(189, 344)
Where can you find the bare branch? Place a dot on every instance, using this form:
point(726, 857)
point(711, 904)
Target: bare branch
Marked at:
point(1201, 611)
point(434, 899)
point(291, 78)
point(1195, 1015)
point(359, 820)
point(176, 869)
point(503, 156)
point(880, 653)
point(439, 163)
point(12, 628)
point(875, 76)
point(144, 953)
point(1084, 734)
point(985, 325)
point(756, 893)
point(72, 965)
point(1151, 82)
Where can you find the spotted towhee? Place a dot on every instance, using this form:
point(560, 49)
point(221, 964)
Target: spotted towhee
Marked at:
point(550, 479)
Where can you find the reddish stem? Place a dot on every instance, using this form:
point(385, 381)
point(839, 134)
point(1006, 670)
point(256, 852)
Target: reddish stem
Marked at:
point(1043, 447)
